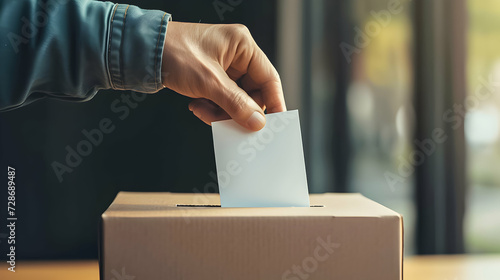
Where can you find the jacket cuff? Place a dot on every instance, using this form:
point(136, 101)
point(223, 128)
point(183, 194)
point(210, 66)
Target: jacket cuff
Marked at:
point(135, 48)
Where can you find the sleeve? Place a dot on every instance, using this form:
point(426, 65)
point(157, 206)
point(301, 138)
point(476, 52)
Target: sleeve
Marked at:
point(70, 49)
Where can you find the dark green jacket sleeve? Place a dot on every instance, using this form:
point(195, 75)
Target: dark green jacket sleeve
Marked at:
point(69, 49)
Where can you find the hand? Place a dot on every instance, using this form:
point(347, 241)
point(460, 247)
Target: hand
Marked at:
point(222, 67)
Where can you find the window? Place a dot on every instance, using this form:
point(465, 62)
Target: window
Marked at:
point(347, 65)
point(482, 127)
point(379, 102)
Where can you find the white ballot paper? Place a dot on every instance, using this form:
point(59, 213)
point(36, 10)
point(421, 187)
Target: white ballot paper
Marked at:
point(263, 168)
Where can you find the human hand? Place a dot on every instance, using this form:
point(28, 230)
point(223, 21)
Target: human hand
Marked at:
point(222, 67)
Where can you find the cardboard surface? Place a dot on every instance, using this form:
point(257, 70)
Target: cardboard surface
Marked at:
point(262, 168)
point(147, 236)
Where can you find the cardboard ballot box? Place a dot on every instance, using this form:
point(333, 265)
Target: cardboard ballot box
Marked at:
point(151, 236)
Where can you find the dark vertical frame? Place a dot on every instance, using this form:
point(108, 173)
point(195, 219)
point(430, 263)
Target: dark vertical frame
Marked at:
point(336, 29)
point(342, 69)
point(439, 84)
point(306, 97)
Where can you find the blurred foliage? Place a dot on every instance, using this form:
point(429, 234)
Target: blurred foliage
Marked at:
point(483, 56)
point(483, 61)
point(483, 39)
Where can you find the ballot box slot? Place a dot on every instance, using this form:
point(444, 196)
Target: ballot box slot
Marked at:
point(197, 205)
point(216, 205)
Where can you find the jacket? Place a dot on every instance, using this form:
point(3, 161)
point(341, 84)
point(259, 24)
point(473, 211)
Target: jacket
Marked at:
point(70, 49)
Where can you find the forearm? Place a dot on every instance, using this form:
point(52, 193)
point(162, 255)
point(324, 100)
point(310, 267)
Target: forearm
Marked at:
point(70, 49)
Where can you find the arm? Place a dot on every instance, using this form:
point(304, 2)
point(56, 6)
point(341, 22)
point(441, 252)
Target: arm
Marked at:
point(70, 49)
point(84, 46)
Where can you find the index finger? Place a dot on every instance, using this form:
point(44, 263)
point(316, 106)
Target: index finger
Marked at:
point(267, 81)
point(257, 73)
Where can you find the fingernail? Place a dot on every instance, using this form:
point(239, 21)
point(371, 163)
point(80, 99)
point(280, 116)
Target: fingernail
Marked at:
point(191, 107)
point(256, 121)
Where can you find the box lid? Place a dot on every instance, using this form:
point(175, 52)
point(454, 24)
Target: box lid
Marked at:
point(165, 204)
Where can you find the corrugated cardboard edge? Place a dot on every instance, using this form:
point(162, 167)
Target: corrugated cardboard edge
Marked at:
point(401, 223)
point(101, 240)
point(100, 247)
point(402, 245)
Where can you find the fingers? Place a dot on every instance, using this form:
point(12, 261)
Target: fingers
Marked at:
point(209, 112)
point(257, 73)
point(208, 59)
point(257, 97)
point(235, 102)
point(250, 63)
point(265, 76)
point(270, 94)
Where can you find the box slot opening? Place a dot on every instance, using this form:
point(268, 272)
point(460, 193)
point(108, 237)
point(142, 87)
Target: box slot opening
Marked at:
point(197, 205)
point(216, 205)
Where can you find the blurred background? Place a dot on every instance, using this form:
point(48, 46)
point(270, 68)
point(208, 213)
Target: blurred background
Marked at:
point(399, 100)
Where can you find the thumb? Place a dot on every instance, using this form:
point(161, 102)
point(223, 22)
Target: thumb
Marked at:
point(239, 105)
